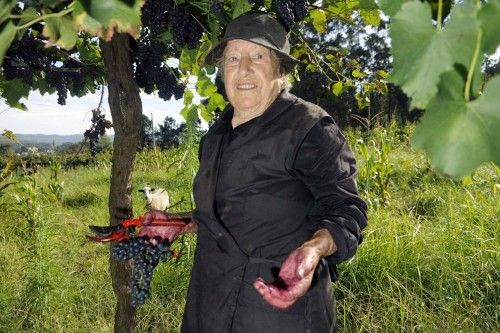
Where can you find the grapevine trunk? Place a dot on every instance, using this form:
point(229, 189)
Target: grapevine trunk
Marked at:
point(126, 112)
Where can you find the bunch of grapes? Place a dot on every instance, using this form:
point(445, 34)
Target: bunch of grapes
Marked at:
point(152, 72)
point(26, 57)
point(217, 8)
point(154, 15)
point(59, 81)
point(98, 128)
point(185, 27)
point(145, 255)
point(290, 11)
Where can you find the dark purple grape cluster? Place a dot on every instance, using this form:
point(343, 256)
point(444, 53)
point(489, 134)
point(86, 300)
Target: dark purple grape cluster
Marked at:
point(27, 56)
point(185, 27)
point(74, 74)
point(154, 15)
point(145, 255)
point(300, 9)
point(290, 11)
point(195, 33)
point(151, 71)
point(97, 130)
point(285, 11)
point(217, 8)
point(59, 81)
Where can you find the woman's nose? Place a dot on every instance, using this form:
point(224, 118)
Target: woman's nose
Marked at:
point(245, 64)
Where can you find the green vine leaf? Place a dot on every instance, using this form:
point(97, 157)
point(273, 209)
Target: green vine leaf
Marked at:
point(6, 7)
point(358, 74)
point(488, 16)
point(190, 113)
point(460, 135)
point(103, 18)
point(7, 34)
point(337, 88)
point(13, 91)
point(10, 135)
point(240, 7)
point(367, 4)
point(370, 17)
point(390, 7)
point(422, 53)
point(318, 20)
point(61, 31)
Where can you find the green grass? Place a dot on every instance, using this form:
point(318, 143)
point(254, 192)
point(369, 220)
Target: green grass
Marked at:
point(429, 261)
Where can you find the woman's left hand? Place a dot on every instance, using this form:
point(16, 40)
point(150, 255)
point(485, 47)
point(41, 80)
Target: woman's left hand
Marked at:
point(297, 271)
point(295, 274)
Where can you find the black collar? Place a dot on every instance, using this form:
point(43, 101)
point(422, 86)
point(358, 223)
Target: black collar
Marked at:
point(279, 105)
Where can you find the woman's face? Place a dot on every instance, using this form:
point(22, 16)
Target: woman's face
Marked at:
point(251, 76)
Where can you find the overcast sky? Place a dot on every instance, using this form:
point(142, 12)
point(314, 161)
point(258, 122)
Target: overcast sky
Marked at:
point(45, 116)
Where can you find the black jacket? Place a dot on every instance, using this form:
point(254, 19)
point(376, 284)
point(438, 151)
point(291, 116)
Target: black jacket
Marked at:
point(284, 177)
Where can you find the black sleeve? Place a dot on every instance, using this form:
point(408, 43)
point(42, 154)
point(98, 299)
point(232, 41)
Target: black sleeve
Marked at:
point(326, 164)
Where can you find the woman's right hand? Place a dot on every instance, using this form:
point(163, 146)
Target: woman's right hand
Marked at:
point(169, 233)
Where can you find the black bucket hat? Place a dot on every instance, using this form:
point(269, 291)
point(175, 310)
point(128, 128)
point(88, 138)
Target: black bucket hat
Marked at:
point(258, 28)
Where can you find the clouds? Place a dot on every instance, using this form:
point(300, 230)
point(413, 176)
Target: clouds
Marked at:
point(45, 116)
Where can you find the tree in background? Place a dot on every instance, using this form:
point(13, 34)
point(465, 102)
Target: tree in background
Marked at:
point(170, 134)
point(147, 132)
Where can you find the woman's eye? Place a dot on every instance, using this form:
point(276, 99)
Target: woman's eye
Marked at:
point(258, 56)
point(231, 60)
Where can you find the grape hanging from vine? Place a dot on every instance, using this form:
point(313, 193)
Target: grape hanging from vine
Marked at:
point(290, 11)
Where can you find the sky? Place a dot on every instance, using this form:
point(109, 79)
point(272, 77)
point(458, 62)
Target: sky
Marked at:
point(45, 116)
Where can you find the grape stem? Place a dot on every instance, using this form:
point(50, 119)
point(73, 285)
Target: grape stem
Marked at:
point(43, 17)
point(319, 60)
point(339, 17)
point(472, 66)
point(440, 14)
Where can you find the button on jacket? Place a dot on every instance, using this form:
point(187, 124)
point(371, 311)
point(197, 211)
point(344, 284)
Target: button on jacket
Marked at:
point(261, 191)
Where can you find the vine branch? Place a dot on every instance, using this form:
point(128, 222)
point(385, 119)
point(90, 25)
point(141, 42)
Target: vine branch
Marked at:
point(43, 17)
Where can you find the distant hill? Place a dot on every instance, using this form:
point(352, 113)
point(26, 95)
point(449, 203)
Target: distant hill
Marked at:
point(47, 138)
point(42, 141)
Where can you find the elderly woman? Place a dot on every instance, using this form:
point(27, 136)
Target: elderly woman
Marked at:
point(276, 199)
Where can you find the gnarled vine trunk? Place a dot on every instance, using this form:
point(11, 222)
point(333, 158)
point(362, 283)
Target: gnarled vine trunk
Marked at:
point(126, 113)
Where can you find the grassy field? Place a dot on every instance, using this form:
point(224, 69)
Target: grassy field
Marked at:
point(429, 261)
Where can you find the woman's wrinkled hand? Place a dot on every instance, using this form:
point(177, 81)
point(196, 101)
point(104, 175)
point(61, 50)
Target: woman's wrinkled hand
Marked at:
point(297, 271)
point(169, 233)
point(295, 278)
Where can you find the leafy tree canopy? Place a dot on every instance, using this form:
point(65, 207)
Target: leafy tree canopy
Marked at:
point(434, 44)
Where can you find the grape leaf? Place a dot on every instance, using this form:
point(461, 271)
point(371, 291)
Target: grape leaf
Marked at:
point(13, 91)
point(337, 88)
point(10, 135)
point(318, 19)
point(371, 17)
point(367, 4)
point(102, 18)
point(240, 7)
point(190, 113)
point(459, 135)
point(7, 34)
point(488, 16)
point(421, 52)
point(5, 9)
point(205, 87)
point(390, 7)
point(60, 31)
